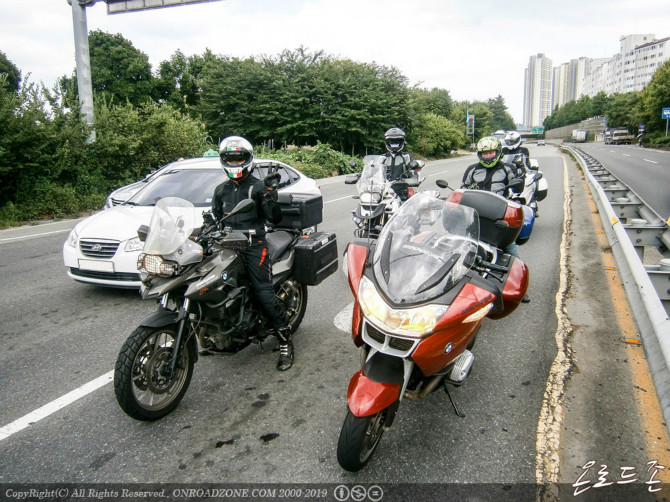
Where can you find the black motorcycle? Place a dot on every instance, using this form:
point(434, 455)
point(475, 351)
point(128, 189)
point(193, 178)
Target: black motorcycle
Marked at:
point(205, 296)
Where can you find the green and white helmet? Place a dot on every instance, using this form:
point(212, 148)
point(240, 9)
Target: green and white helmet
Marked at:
point(489, 151)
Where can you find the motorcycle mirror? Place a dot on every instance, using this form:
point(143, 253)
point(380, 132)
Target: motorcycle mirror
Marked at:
point(352, 179)
point(442, 183)
point(142, 232)
point(538, 175)
point(244, 206)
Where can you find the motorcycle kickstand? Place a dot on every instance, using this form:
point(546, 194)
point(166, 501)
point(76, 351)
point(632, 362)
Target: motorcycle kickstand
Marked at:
point(453, 403)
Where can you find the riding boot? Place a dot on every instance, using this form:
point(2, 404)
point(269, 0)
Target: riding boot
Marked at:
point(285, 349)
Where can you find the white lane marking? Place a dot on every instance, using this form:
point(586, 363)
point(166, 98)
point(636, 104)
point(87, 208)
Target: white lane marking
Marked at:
point(625, 155)
point(550, 422)
point(342, 319)
point(23, 237)
point(54, 406)
point(652, 161)
point(335, 200)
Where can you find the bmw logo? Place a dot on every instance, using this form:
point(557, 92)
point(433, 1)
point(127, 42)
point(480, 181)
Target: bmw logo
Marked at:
point(448, 348)
point(224, 276)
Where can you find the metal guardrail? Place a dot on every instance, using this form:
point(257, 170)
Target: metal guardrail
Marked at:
point(630, 226)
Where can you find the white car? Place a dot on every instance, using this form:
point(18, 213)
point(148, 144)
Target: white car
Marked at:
point(103, 248)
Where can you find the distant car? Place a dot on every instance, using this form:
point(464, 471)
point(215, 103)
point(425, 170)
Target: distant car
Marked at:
point(103, 248)
point(540, 142)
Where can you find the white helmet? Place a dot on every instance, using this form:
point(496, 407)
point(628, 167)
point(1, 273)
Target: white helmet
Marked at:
point(237, 157)
point(512, 140)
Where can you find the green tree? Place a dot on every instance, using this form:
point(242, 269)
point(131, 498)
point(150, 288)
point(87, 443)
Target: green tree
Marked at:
point(436, 136)
point(10, 76)
point(131, 141)
point(654, 98)
point(500, 117)
point(436, 101)
point(118, 70)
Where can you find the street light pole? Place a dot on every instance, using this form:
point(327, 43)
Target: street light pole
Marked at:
point(84, 83)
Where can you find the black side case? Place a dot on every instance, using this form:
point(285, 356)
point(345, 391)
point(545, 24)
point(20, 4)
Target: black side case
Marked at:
point(315, 258)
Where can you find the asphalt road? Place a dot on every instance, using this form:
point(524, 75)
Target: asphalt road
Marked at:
point(552, 387)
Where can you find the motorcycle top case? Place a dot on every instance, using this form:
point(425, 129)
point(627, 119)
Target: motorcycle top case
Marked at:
point(500, 220)
point(299, 213)
point(315, 258)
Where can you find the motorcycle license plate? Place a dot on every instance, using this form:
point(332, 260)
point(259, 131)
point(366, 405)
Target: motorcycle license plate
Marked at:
point(96, 265)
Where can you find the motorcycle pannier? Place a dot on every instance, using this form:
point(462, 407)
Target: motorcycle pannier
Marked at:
point(300, 213)
point(315, 257)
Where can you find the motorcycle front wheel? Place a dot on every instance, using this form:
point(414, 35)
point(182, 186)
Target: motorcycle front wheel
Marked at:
point(141, 383)
point(359, 438)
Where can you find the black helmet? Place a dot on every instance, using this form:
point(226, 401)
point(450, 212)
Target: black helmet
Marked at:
point(237, 157)
point(394, 139)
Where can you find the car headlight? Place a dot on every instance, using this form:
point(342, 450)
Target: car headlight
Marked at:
point(134, 244)
point(155, 265)
point(370, 198)
point(73, 238)
point(410, 322)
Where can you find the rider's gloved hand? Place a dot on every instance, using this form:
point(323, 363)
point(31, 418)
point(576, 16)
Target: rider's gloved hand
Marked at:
point(270, 194)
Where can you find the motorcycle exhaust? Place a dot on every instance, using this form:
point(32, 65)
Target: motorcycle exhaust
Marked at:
point(427, 389)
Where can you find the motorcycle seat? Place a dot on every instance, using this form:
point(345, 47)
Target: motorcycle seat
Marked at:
point(278, 242)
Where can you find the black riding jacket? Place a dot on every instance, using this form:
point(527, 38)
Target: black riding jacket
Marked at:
point(229, 193)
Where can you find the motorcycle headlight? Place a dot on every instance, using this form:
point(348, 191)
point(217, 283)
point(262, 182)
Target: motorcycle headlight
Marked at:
point(155, 265)
point(134, 244)
point(370, 198)
point(410, 322)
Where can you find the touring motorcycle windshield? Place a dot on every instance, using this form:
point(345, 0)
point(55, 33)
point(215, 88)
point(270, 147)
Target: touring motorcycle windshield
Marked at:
point(172, 223)
point(427, 247)
point(373, 176)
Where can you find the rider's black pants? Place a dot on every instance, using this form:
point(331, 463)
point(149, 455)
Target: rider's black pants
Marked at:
point(260, 273)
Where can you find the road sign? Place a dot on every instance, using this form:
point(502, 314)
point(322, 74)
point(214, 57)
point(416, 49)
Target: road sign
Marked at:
point(666, 113)
point(118, 6)
point(538, 130)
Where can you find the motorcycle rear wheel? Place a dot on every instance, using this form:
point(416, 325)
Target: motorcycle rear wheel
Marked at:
point(294, 297)
point(141, 386)
point(359, 438)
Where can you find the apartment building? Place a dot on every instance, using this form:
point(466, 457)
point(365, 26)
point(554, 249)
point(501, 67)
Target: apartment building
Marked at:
point(631, 69)
point(537, 90)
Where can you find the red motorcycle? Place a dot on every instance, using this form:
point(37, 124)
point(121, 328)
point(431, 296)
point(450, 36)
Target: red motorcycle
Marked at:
point(422, 290)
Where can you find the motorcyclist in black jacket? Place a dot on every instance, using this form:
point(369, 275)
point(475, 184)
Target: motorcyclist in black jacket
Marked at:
point(397, 162)
point(493, 175)
point(512, 145)
point(237, 160)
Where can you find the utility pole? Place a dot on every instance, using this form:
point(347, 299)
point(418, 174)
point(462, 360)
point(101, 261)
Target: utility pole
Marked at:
point(84, 84)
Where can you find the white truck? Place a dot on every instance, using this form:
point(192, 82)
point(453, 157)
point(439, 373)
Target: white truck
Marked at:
point(579, 135)
point(619, 136)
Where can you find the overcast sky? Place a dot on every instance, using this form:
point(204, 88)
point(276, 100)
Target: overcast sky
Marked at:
point(475, 49)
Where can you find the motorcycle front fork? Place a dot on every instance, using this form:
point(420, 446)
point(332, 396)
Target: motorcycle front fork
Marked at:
point(182, 321)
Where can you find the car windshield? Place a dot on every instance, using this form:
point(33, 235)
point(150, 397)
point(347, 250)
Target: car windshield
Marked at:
point(195, 185)
point(427, 247)
point(373, 176)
